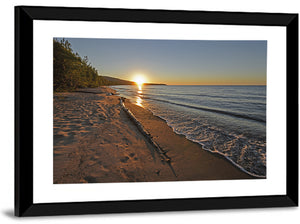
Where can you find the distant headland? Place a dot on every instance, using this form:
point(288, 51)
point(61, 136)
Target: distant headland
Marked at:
point(117, 81)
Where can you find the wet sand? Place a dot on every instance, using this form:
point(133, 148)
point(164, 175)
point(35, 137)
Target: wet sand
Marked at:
point(96, 142)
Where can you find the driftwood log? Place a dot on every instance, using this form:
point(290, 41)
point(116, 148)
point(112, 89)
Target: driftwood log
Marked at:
point(147, 135)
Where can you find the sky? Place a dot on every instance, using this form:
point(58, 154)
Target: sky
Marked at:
point(177, 62)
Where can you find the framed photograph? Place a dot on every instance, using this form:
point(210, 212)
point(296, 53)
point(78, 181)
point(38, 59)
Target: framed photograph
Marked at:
point(122, 110)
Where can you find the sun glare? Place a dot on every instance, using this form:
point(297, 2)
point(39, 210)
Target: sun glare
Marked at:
point(139, 80)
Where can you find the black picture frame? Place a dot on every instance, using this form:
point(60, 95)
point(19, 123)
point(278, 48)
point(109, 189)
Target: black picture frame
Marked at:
point(24, 17)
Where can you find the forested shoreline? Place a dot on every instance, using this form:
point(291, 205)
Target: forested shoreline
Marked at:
point(71, 71)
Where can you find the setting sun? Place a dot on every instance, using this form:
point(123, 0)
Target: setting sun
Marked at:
point(139, 79)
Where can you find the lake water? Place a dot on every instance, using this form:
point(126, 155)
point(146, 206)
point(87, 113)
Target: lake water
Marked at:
point(229, 120)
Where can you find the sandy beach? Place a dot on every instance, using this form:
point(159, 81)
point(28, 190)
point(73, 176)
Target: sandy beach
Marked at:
point(95, 141)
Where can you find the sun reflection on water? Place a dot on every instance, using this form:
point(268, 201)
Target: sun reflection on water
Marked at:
point(139, 99)
point(140, 87)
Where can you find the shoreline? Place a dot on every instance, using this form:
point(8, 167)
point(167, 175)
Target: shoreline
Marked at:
point(98, 143)
point(213, 152)
point(137, 111)
point(202, 147)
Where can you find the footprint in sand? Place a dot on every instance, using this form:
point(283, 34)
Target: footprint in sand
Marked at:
point(90, 179)
point(126, 140)
point(132, 154)
point(125, 159)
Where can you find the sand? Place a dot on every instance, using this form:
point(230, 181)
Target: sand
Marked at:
point(96, 142)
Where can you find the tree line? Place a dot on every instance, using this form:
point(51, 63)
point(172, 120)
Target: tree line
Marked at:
point(71, 71)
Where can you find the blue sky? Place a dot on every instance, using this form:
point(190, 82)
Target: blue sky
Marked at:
point(178, 61)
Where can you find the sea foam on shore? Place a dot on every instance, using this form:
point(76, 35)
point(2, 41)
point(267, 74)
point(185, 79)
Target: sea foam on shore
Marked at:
point(96, 142)
point(229, 120)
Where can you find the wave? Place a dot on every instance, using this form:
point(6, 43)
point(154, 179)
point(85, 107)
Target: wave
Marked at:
point(211, 110)
point(254, 97)
point(187, 136)
point(231, 100)
point(241, 140)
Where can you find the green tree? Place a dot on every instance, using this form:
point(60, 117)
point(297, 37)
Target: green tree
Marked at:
point(70, 71)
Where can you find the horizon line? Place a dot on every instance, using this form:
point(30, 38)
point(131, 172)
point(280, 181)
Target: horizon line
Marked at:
point(206, 84)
